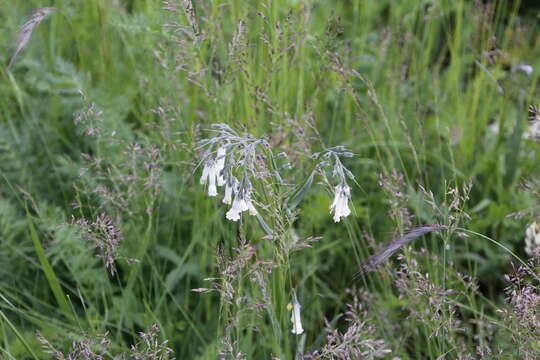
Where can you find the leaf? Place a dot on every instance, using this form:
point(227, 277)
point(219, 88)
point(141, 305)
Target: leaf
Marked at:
point(300, 194)
point(54, 284)
point(264, 225)
point(18, 335)
point(512, 153)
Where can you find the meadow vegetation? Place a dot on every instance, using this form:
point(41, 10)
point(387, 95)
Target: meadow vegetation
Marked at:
point(270, 179)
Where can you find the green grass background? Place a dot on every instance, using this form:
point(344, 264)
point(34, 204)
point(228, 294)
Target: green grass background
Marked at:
point(423, 105)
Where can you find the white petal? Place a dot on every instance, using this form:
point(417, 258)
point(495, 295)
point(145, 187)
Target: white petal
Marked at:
point(336, 197)
point(212, 191)
point(527, 69)
point(251, 208)
point(296, 318)
point(227, 199)
point(205, 173)
point(537, 240)
point(232, 214)
point(220, 180)
point(242, 205)
point(344, 207)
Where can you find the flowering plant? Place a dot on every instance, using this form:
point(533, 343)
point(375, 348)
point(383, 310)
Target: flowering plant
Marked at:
point(233, 160)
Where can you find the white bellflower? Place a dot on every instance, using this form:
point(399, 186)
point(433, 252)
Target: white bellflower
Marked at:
point(296, 318)
point(532, 238)
point(340, 205)
point(212, 172)
point(239, 205)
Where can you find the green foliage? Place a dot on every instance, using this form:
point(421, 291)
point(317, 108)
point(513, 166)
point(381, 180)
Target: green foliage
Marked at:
point(102, 113)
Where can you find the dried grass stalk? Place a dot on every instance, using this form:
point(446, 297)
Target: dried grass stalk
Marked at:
point(395, 245)
point(192, 18)
point(26, 30)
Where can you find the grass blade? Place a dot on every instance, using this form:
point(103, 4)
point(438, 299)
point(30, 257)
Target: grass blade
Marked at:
point(52, 280)
point(18, 335)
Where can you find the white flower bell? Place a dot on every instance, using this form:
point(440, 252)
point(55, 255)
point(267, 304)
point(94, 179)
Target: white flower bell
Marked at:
point(532, 238)
point(296, 318)
point(239, 205)
point(527, 69)
point(212, 172)
point(340, 205)
point(227, 199)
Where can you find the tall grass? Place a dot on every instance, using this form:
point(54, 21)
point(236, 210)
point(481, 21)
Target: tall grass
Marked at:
point(105, 228)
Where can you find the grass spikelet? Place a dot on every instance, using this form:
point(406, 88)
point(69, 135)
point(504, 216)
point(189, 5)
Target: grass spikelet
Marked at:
point(396, 244)
point(26, 30)
point(192, 18)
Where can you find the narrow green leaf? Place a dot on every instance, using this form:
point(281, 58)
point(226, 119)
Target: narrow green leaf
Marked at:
point(264, 225)
point(512, 153)
point(54, 284)
point(300, 194)
point(18, 335)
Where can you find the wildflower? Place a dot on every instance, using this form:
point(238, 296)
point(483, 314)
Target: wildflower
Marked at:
point(527, 69)
point(240, 204)
point(533, 132)
point(227, 199)
point(532, 238)
point(494, 127)
point(295, 317)
point(212, 172)
point(340, 205)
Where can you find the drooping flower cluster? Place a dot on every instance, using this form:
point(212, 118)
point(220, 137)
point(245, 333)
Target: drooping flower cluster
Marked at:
point(342, 192)
point(241, 202)
point(241, 155)
point(234, 153)
point(212, 172)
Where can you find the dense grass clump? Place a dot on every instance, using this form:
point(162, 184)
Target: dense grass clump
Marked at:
point(285, 179)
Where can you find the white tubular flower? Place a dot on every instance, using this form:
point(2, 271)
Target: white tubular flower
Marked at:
point(532, 238)
point(533, 132)
point(227, 199)
point(212, 190)
point(238, 205)
point(205, 173)
point(212, 172)
point(233, 215)
point(220, 180)
point(527, 69)
point(340, 205)
point(295, 317)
